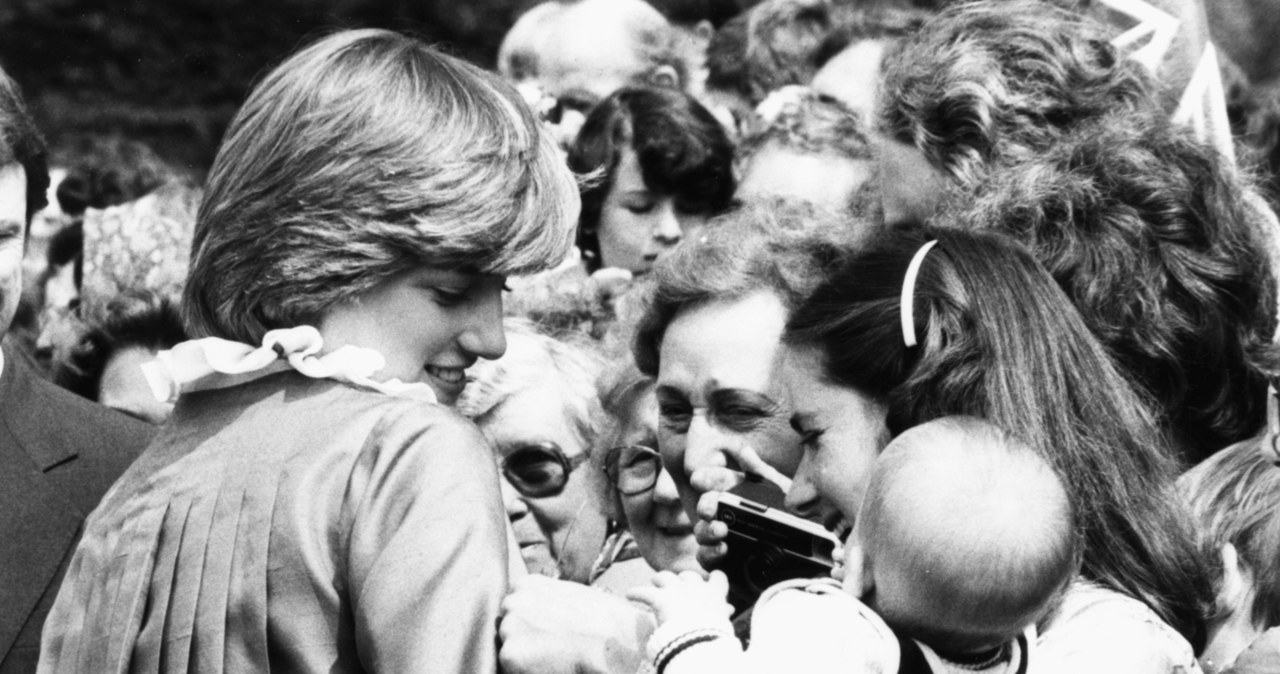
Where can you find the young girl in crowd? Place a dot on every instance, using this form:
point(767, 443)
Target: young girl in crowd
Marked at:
point(665, 166)
point(309, 507)
point(963, 541)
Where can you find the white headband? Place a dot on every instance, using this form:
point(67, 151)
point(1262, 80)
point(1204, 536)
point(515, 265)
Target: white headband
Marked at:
point(908, 295)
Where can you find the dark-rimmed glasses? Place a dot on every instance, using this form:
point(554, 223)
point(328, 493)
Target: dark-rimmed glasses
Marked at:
point(540, 470)
point(633, 469)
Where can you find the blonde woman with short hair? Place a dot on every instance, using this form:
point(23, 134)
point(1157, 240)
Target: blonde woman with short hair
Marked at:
point(313, 505)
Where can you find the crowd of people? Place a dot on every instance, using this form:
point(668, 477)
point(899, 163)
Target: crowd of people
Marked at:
point(454, 370)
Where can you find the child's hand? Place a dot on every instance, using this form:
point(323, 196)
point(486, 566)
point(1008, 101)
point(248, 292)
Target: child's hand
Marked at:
point(686, 597)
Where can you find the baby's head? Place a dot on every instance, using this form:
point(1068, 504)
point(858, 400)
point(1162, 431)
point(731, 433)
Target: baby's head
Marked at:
point(965, 536)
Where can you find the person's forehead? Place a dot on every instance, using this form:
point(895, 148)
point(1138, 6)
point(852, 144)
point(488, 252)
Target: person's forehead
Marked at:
point(725, 344)
point(533, 414)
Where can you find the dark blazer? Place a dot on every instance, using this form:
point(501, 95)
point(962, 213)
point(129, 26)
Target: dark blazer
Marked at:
point(59, 453)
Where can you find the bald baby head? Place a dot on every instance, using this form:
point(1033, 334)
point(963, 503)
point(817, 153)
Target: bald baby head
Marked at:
point(967, 534)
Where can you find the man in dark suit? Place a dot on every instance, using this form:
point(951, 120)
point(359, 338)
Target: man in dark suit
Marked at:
point(58, 452)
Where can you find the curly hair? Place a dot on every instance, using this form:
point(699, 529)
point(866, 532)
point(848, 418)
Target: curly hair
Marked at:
point(1150, 234)
point(755, 247)
point(569, 365)
point(999, 340)
point(773, 44)
point(681, 148)
point(996, 82)
point(365, 155)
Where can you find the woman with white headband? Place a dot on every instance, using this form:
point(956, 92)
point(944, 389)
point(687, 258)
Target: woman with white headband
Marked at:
point(916, 328)
point(963, 322)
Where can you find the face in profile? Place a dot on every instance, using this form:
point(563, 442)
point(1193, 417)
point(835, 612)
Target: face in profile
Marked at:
point(430, 324)
point(123, 387)
point(841, 433)
point(549, 489)
point(716, 390)
point(647, 493)
point(13, 227)
point(639, 225)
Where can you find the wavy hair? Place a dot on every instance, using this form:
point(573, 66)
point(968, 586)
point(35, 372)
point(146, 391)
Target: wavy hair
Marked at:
point(994, 82)
point(771, 45)
point(365, 155)
point(533, 359)
point(755, 247)
point(681, 148)
point(999, 340)
point(1150, 234)
point(1235, 497)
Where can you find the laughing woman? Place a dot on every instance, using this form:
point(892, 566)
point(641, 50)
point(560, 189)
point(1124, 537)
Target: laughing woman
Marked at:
point(307, 508)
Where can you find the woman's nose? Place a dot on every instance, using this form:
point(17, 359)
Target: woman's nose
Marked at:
point(483, 335)
point(513, 501)
point(802, 497)
point(666, 230)
point(704, 445)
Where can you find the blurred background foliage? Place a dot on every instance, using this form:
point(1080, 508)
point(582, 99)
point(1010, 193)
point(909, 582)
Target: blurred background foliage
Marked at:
point(172, 72)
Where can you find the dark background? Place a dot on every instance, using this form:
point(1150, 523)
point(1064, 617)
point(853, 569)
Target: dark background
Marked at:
point(172, 72)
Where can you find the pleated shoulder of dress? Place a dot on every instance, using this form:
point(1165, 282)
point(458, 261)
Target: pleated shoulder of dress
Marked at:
point(292, 524)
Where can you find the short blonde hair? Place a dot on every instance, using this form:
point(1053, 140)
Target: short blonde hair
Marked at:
point(361, 157)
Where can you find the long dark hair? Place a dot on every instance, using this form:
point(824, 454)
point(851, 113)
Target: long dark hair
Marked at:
point(681, 148)
point(999, 340)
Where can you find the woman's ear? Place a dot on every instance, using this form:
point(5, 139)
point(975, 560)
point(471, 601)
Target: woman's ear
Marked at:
point(665, 76)
point(1237, 581)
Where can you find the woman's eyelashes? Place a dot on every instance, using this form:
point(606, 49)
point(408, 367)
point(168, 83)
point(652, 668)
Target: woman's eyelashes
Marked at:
point(808, 432)
point(449, 297)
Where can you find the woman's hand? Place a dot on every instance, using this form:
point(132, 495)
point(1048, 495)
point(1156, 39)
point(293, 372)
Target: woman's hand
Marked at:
point(557, 626)
point(708, 531)
point(686, 597)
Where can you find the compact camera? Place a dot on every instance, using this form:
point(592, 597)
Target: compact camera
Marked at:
point(767, 546)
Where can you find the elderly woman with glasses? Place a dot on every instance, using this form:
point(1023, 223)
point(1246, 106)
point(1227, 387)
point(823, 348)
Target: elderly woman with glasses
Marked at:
point(538, 408)
point(645, 499)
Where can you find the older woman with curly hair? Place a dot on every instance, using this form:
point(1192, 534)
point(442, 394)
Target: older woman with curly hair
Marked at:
point(313, 505)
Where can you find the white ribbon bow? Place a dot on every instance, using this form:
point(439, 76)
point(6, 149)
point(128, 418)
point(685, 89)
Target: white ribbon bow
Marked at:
point(213, 363)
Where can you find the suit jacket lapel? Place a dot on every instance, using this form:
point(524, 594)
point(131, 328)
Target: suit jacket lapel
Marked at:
point(37, 525)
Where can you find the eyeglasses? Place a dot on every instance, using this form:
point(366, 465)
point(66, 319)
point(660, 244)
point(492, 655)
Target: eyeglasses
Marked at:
point(633, 469)
point(540, 470)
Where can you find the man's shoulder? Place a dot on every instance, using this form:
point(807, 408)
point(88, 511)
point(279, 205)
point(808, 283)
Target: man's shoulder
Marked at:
point(55, 425)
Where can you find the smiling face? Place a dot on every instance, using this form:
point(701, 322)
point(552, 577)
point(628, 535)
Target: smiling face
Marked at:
point(637, 225)
point(13, 227)
point(661, 527)
point(841, 430)
point(560, 535)
point(429, 324)
point(716, 389)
